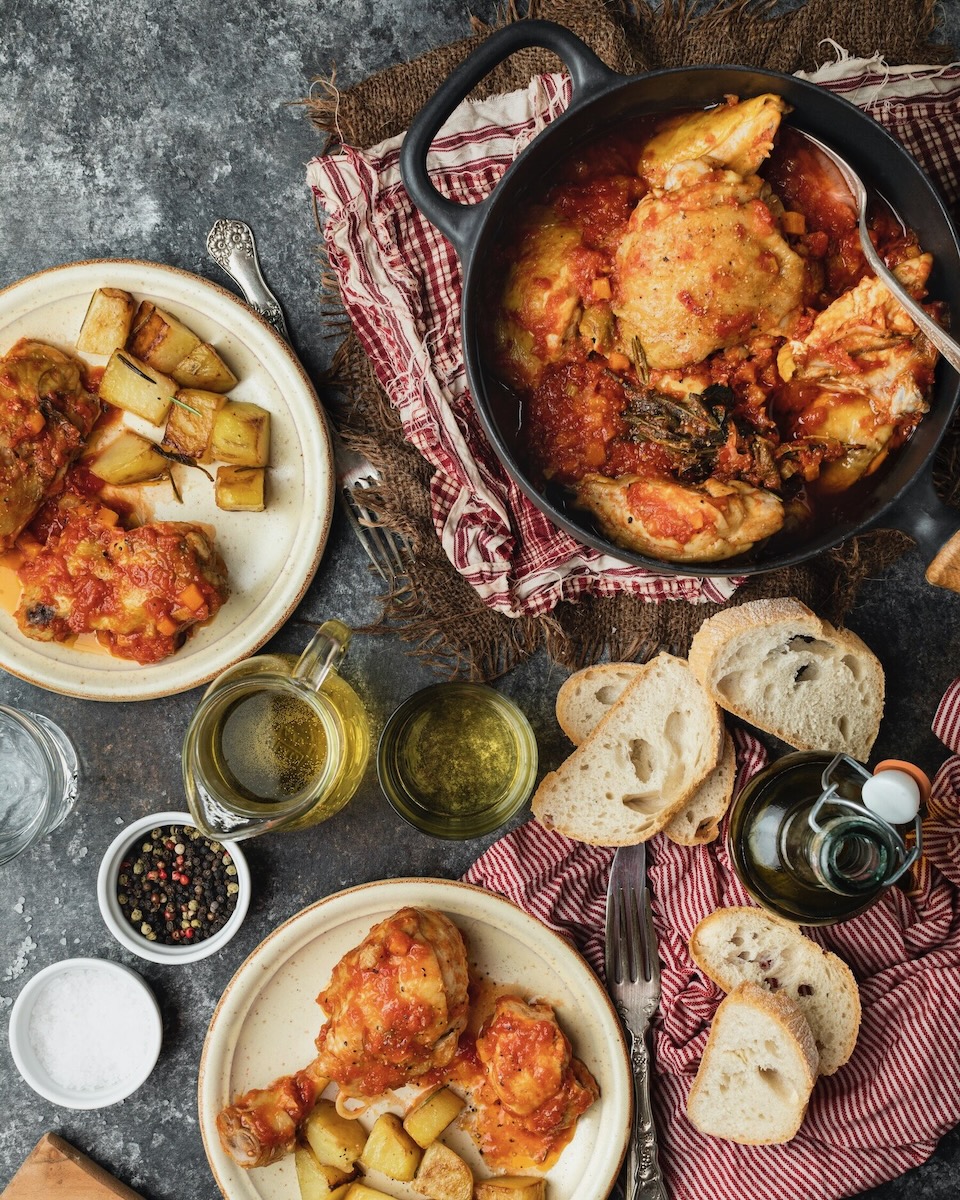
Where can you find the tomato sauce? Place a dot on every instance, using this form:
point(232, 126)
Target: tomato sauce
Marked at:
point(575, 413)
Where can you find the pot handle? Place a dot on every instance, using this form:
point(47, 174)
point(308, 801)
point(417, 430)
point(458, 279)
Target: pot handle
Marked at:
point(935, 527)
point(589, 75)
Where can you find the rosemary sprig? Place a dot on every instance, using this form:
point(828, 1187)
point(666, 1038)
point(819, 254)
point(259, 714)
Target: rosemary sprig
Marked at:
point(640, 360)
point(184, 404)
point(149, 378)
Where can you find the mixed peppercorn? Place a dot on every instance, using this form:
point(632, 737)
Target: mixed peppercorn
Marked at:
point(177, 887)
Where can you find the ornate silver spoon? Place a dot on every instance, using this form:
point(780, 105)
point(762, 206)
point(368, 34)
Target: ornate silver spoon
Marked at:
point(231, 246)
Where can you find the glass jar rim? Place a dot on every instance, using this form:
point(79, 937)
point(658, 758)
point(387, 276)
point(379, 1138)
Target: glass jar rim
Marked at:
point(280, 812)
point(40, 740)
point(402, 797)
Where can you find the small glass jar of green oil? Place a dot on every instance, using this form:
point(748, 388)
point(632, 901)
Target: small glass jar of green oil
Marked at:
point(276, 742)
point(457, 760)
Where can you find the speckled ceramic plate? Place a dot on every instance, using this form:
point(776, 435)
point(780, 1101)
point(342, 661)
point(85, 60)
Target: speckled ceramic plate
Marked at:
point(267, 1019)
point(270, 556)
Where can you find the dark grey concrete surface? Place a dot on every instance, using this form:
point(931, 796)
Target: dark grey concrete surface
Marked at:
point(125, 130)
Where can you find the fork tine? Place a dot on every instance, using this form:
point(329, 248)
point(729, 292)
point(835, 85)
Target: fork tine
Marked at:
point(354, 516)
point(651, 957)
point(635, 938)
point(382, 546)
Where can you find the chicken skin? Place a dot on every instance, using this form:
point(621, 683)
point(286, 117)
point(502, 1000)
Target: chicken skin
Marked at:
point(704, 267)
point(139, 590)
point(680, 522)
point(46, 414)
point(396, 1004)
point(542, 301)
point(704, 264)
point(734, 136)
point(529, 1090)
point(860, 377)
point(530, 1066)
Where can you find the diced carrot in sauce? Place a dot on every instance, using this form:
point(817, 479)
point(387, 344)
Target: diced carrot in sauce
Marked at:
point(106, 516)
point(618, 361)
point(167, 626)
point(794, 222)
point(34, 421)
point(602, 289)
point(191, 597)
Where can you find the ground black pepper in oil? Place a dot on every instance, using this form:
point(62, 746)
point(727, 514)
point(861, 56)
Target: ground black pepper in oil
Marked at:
point(177, 887)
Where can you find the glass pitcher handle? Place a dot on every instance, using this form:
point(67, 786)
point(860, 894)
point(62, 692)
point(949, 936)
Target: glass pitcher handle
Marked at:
point(323, 654)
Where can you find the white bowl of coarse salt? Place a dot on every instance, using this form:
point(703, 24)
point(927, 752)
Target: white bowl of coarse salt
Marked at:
point(85, 1032)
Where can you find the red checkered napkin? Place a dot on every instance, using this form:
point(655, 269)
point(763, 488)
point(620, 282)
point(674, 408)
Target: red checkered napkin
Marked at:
point(400, 282)
point(881, 1113)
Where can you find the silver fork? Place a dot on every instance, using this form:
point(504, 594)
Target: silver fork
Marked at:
point(633, 981)
point(231, 245)
point(384, 548)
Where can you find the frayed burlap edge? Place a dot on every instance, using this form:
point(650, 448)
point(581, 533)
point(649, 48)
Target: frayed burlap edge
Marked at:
point(430, 606)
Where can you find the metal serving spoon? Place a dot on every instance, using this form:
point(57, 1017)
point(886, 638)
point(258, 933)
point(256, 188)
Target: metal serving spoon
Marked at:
point(231, 246)
point(948, 346)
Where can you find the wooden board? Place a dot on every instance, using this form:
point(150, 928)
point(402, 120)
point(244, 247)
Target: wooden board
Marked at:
point(54, 1169)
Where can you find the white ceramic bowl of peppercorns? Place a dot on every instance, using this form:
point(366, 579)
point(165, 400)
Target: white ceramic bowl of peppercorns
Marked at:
point(170, 894)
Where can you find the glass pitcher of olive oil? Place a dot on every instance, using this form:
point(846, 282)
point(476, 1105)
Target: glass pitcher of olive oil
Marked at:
point(817, 838)
point(276, 742)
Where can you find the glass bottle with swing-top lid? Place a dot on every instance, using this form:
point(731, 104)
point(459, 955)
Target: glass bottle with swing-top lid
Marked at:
point(817, 838)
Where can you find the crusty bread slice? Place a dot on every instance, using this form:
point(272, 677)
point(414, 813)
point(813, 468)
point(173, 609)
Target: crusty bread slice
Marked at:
point(640, 764)
point(757, 1071)
point(588, 695)
point(778, 666)
point(697, 821)
point(585, 699)
point(745, 945)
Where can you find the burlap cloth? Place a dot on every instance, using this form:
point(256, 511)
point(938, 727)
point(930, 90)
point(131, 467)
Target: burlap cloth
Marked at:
point(432, 606)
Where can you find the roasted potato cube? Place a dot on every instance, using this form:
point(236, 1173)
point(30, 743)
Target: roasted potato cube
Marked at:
point(241, 489)
point(204, 368)
point(190, 422)
point(129, 458)
point(443, 1175)
point(106, 326)
point(160, 340)
point(336, 1141)
point(135, 387)
point(511, 1187)
point(430, 1118)
point(241, 435)
point(390, 1149)
point(317, 1180)
point(362, 1191)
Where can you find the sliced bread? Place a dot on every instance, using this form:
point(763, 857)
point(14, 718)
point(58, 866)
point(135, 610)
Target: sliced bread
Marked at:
point(757, 1071)
point(640, 764)
point(745, 945)
point(585, 699)
point(778, 666)
point(697, 821)
point(588, 695)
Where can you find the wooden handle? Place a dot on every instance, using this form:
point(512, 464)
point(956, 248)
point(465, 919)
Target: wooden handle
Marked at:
point(944, 571)
point(54, 1167)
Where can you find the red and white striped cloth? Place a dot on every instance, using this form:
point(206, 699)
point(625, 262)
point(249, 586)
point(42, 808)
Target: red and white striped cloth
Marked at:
point(400, 282)
point(880, 1114)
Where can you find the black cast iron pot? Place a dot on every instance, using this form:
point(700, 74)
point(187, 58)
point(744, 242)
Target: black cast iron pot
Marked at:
point(901, 495)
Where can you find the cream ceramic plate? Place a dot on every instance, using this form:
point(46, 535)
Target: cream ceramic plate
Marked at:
point(267, 1019)
point(270, 556)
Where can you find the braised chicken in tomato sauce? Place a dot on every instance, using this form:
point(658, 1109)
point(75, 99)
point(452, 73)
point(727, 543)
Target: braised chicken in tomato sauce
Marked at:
point(702, 355)
point(402, 1009)
point(527, 1089)
point(396, 1004)
point(47, 411)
